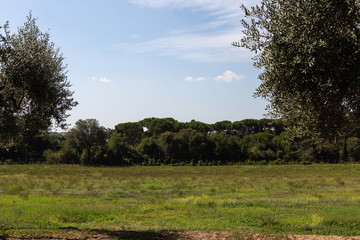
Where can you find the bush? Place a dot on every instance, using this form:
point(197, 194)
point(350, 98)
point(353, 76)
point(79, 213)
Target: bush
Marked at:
point(66, 155)
point(278, 161)
point(50, 156)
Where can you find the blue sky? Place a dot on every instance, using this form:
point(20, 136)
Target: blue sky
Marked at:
point(133, 59)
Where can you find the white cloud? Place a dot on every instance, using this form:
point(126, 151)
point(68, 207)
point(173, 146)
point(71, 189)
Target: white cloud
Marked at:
point(191, 79)
point(200, 79)
point(101, 79)
point(229, 77)
point(104, 80)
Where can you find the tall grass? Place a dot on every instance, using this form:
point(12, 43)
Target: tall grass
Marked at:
point(312, 199)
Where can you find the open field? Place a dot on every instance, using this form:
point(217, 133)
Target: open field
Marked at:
point(291, 199)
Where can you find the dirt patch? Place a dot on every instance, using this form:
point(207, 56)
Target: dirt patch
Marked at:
point(189, 235)
point(197, 235)
point(311, 237)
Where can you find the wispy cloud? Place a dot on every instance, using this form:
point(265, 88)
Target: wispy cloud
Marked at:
point(207, 47)
point(229, 76)
point(197, 43)
point(191, 79)
point(101, 79)
point(217, 6)
point(224, 11)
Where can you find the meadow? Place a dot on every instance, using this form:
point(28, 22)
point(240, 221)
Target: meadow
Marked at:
point(290, 199)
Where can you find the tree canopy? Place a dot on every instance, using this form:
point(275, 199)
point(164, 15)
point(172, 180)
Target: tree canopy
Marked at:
point(309, 51)
point(34, 90)
point(86, 135)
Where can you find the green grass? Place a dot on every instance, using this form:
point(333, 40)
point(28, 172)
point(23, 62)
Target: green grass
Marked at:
point(312, 199)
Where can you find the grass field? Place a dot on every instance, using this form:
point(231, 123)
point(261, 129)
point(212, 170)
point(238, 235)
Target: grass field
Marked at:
point(292, 199)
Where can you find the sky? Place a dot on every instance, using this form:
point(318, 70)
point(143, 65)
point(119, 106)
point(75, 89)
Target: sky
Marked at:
point(132, 59)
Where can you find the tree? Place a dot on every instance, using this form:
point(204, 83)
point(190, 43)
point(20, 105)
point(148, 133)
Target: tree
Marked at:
point(174, 146)
point(250, 126)
point(199, 146)
point(131, 132)
point(309, 51)
point(199, 126)
point(222, 126)
point(86, 135)
point(122, 154)
point(157, 126)
point(227, 148)
point(34, 90)
point(150, 150)
point(353, 145)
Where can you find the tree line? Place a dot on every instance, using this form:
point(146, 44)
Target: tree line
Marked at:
point(158, 141)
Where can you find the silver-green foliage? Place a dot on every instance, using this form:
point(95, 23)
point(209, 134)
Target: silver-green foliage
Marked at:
point(34, 90)
point(309, 51)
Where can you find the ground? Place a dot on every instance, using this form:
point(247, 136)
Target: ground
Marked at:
point(189, 235)
point(214, 202)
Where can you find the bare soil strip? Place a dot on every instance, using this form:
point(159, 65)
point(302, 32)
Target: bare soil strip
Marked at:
point(189, 235)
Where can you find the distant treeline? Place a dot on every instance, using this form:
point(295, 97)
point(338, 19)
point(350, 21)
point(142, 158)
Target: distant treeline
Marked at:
point(157, 141)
